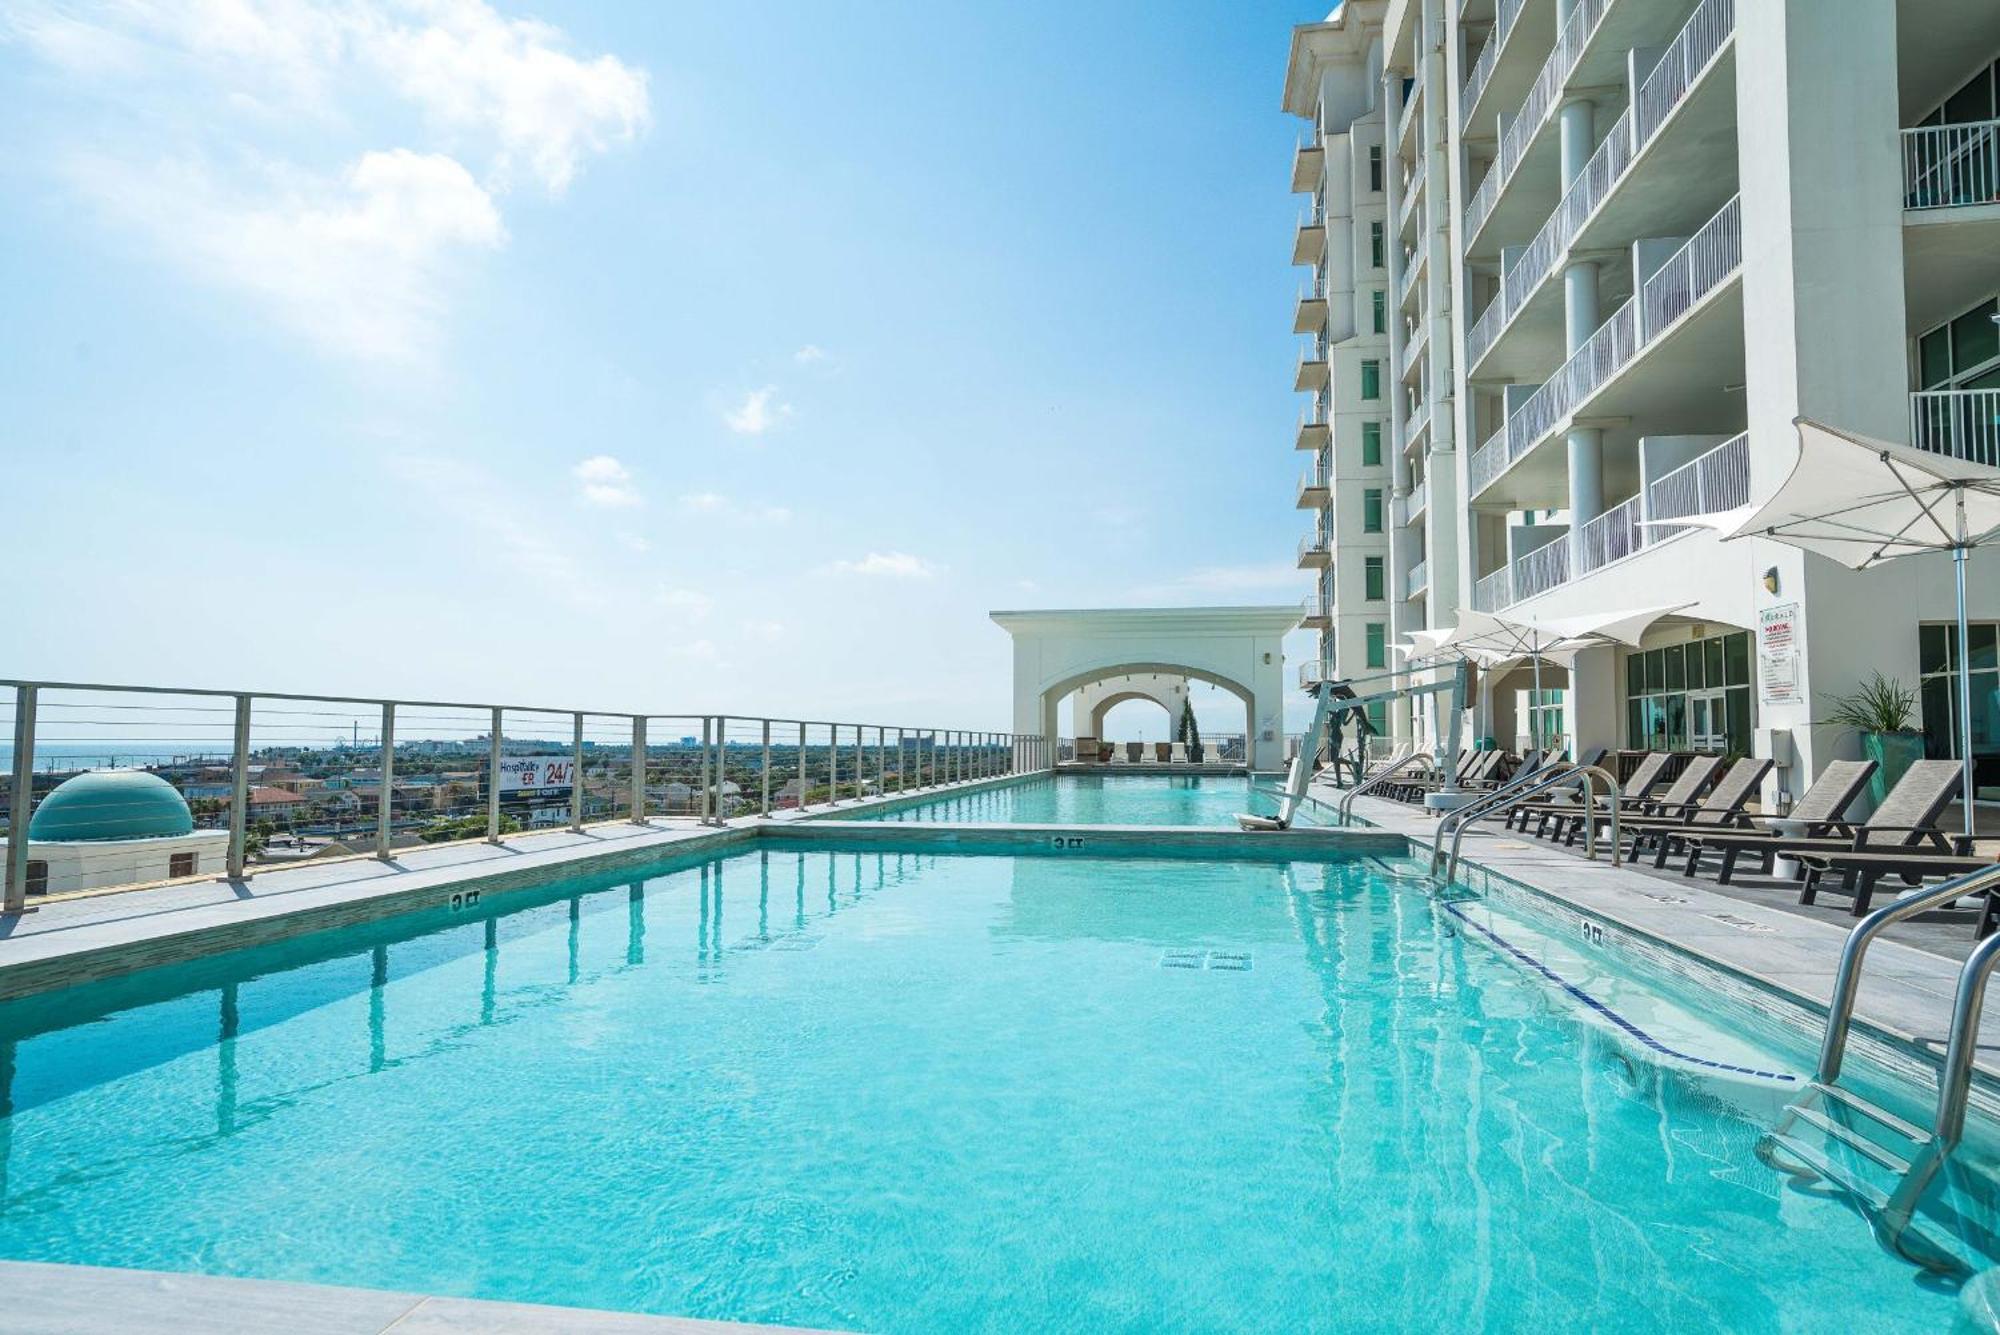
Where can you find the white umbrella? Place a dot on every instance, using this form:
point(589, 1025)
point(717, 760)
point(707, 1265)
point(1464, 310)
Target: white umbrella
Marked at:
point(1862, 502)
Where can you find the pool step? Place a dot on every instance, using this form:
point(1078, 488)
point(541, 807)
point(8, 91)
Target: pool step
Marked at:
point(1859, 1142)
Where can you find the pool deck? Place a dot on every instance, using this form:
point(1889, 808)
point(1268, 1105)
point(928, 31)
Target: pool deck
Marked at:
point(1756, 930)
point(45, 1299)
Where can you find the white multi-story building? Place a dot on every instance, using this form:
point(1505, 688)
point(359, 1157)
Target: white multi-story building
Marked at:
point(1628, 242)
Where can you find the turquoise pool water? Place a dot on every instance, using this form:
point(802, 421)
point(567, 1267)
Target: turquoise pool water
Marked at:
point(899, 1092)
point(1094, 799)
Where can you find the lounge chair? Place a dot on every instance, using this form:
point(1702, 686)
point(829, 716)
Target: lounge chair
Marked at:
point(1906, 820)
point(1860, 872)
point(1177, 753)
point(1087, 750)
point(1684, 790)
point(1473, 766)
point(1815, 815)
point(1721, 809)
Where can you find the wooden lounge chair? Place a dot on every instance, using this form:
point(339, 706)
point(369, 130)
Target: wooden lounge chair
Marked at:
point(1644, 779)
point(1680, 795)
point(1906, 820)
point(1817, 814)
point(1860, 872)
point(1721, 809)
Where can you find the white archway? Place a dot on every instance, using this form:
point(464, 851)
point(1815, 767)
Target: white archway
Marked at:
point(1093, 700)
point(1240, 649)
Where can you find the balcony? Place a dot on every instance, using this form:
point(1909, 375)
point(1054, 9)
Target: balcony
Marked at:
point(1710, 483)
point(1418, 502)
point(1312, 674)
point(1415, 422)
point(1313, 430)
point(1483, 64)
point(1963, 423)
point(1314, 614)
point(1417, 580)
point(1678, 95)
point(1309, 244)
point(1311, 317)
point(1315, 551)
point(1951, 218)
point(1415, 340)
point(1406, 119)
point(1309, 163)
point(1314, 488)
point(1414, 260)
point(1709, 259)
point(1523, 130)
point(1312, 369)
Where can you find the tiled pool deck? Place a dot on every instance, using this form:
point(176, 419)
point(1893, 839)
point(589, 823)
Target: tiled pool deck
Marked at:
point(1753, 932)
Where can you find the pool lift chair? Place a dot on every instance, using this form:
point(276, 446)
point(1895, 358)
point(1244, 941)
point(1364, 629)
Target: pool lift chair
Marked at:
point(1336, 702)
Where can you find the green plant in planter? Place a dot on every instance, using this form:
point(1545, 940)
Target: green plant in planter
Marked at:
point(1884, 713)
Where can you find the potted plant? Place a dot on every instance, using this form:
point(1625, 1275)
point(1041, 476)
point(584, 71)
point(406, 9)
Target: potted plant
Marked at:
point(1882, 711)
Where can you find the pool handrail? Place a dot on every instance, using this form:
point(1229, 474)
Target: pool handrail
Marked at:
point(1526, 785)
point(1377, 779)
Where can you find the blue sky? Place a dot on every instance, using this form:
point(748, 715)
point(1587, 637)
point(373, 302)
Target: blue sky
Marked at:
point(706, 357)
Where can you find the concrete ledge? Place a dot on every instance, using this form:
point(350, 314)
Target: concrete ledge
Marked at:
point(45, 1299)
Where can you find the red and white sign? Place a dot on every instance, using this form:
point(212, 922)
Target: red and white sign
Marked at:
point(536, 776)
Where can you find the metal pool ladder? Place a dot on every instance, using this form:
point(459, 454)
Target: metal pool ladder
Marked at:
point(1908, 1156)
point(1559, 775)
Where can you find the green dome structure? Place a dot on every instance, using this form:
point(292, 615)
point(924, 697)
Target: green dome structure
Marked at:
point(111, 804)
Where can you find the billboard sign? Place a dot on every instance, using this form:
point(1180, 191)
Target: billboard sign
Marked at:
point(536, 776)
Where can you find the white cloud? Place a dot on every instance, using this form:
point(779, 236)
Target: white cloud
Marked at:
point(759, 412)
point(359, 264)
point(715, 503)
point(358, 258)
point(895, 565)
point(604, 481)
point(810, 353)
point(687, 604)
point(704, 502)
point(765, 632)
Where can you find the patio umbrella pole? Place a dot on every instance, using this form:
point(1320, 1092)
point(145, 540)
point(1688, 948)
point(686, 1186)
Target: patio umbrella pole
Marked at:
point(1535, 705)
point(1958, 556)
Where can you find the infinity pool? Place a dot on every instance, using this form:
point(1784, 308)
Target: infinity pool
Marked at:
point(899, 1092)
point(1096, 799)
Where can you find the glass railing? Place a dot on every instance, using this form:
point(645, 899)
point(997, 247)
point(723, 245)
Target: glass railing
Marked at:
point(1417, 580)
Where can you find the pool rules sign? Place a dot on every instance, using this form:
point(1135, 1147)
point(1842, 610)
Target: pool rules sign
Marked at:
point(1778, 655)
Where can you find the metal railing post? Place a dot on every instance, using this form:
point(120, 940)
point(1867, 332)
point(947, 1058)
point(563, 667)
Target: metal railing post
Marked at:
point(638, 769)
point(20, 801)
point(802, 765)
point(576, 775)
point(833, 764)
point(902, 764)
point(860, 766)
point(701, 806)
point(493, 780)
point(385, 800)
point(764, 801)
point(239, 792)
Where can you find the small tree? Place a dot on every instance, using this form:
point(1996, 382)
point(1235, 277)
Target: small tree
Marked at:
point(1189, 732)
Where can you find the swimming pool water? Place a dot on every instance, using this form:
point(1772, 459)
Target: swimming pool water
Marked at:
point(1094, 799)
point(893, 1091)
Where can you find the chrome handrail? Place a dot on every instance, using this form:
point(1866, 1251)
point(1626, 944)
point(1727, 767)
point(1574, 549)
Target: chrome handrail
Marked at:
point(1377, 779)
point(1523, 786)
point(1847, 979)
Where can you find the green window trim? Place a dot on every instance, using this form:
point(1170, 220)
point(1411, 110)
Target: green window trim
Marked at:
point(1371, 510)
point(1371, 379)
point(1378, 644)
point(1371, 444)
point(1374, 579)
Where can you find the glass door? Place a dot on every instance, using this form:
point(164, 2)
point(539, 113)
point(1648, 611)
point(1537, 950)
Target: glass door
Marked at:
point(1708, 721)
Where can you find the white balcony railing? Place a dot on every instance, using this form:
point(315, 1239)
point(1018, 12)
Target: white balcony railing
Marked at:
point(1314, 544)
point(1492, 592)
point(1683, 63)
point(1541, 570)
point(1612, 536)
point(1415, 421)
point(1413, 262)
point(1528, 119)
point(1716, 481)
point(1409, 111)
point(1951, 166)
point(1414, 341)
point(1488, 57)
point(1418, 579)
point(1703, 263)
point(1420, 499)
point(1964, 423)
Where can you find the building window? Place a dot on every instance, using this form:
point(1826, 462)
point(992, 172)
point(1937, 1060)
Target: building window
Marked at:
point(1371, 510)
point(181, 864)
point(1375, 168)
point(1372, 580)
point(1375, 244)
point(1963, 352)
point(1937, 668)
point(1371, 379)
point(1378, 644)
point(1690, 697)
point(1545, 718)
point(1371, 444)
point(1378, 302)
point(38, 877)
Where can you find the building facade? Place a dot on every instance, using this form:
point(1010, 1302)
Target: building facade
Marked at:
point(1628, 242)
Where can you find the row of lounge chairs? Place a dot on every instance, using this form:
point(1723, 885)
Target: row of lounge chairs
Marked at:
point(1092, 751)
point(1700, 819)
